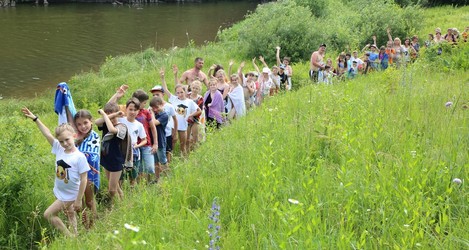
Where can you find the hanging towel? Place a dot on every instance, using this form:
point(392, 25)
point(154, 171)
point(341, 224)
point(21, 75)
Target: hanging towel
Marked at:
point(63, 98)
point(237, 98)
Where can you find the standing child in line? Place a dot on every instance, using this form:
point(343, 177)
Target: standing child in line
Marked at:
point(161, 120)
point(288, 69)
point(185, 108)
point(112, 158)
point(193, 123)
point(146, 163)
point(88, 142)
point(171, 127)
point(71, 173)
point(137, 134)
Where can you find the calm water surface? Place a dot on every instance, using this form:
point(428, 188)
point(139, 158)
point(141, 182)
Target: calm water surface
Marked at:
point(42, 46)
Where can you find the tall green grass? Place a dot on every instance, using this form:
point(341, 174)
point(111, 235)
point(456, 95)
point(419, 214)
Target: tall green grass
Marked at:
point(370, 162)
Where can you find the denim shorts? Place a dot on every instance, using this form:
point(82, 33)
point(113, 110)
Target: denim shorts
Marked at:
point(160, 156)
point(146, 164)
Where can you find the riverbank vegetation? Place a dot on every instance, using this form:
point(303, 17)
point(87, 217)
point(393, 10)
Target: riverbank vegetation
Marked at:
point(367, 163)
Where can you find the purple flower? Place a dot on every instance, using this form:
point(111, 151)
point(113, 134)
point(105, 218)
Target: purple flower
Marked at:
point(449, 104)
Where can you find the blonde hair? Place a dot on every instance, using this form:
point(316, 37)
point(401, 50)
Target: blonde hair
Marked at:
point(196, 82)
point(62, 128)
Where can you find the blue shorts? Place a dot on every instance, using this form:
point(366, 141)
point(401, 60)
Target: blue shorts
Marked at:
point(160, 156)
point(146, 164)
point(169, 143)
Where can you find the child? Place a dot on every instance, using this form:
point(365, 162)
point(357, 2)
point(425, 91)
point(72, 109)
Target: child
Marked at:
point(161, 120)
point(247, 84)
point(146, 163)
point(213, 103)
point(236, 98)
point(112, 158)
point(288, 69)
point(171, 127)
point(71, 173)
point(185, 108)
point(88, 142)
point(353, 71)
point(137, 135)
point(193, 122)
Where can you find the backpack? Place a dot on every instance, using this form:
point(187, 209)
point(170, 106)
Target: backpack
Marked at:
point(125, 145)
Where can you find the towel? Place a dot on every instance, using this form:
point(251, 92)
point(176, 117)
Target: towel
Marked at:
point(217, 107)
point(237, 99)
point(63, 98)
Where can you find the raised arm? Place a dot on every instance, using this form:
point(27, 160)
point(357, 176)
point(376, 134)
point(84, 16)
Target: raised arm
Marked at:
point(261, 58)
point(44, 130)
point(100, 121)
point(374, 41)
point(277, 55)
point(119, 93)
point(163, 81)
point(107, 120)
point(388, 30)
point(230, 67)
point(240, 71)
point(175, 73)
point(255, 65)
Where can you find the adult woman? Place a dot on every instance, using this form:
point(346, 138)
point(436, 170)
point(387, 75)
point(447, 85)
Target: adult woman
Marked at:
point(399, 50)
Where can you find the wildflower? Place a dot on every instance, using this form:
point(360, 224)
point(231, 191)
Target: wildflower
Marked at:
point(144, 242)
point(116, 232)
point(449, 104)
point(406, 225)
point(293, 201)
point(413, 153)
point(214, 228)
point(457, 180)
point(130, 227)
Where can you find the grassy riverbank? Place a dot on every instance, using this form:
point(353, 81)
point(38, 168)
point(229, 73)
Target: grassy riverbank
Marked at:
point(370, 162)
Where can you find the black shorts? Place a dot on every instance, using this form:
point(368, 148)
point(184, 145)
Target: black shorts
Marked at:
point(314, 75)
point(169, 143)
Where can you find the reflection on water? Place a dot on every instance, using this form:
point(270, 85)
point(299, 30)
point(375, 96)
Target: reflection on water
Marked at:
point(42, 46)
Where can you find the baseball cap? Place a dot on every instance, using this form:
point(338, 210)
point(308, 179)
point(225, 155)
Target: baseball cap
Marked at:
point(282, 66)
point(157, 88)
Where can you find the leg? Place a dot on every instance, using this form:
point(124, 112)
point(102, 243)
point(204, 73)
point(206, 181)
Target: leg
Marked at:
point(90, 204)
point(51, 215)
point(114, 187)
point(195, 136)
point(182, 142)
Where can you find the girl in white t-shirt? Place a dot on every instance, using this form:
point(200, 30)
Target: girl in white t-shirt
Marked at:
point(71, 173)
point(186, 109)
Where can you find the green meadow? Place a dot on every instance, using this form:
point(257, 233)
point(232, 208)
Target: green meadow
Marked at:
point(368, 163)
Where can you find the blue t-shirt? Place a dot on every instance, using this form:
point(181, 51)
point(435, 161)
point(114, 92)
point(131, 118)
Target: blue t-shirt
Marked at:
point(162, 117)
point(90, 147)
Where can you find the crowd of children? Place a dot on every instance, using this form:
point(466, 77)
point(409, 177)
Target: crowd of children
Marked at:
point(137, 139)
point(394, 53)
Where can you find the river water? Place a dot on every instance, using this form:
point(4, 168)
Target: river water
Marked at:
point(42, 46)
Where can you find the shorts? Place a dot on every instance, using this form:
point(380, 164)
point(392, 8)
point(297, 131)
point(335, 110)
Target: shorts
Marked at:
point(169, 143)
point(117, 168)
point(146, 163)
point(314, 75)
point(160, 156)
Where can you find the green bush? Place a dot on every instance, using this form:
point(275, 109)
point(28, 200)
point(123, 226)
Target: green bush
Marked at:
point(283, 24)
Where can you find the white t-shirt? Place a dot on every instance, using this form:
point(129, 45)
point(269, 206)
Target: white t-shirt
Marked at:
point(135, 129)
point(169, 109)
point(68, 168)
point(183, 109)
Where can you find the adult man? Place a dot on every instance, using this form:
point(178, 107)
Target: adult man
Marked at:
point(317, 63)
point(195, 73)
